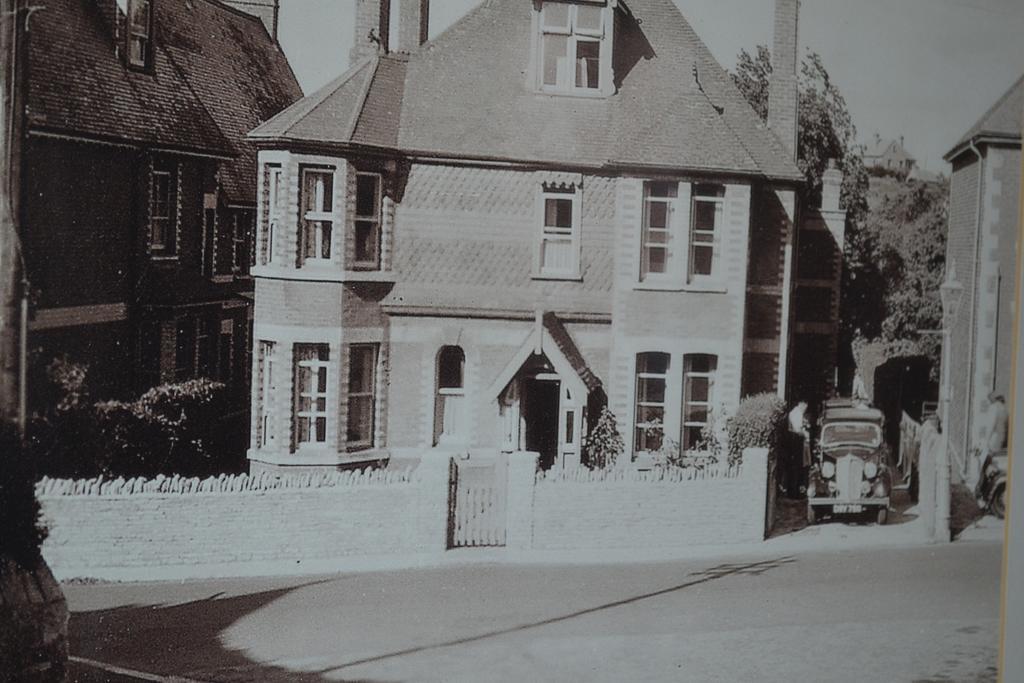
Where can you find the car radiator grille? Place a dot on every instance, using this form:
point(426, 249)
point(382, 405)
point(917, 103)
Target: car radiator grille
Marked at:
point(849, 474)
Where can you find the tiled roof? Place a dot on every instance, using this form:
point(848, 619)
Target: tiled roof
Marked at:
point(216, 75)
point(465, 95)
point(880, 147)
point(1003, 120)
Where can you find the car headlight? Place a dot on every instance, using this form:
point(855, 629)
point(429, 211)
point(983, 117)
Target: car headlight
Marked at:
point(865, 489)
point(870, 470)
point(828, 469)
point(812, 490)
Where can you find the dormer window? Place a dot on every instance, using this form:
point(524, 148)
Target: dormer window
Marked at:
point(140, 32)
point(574, 49)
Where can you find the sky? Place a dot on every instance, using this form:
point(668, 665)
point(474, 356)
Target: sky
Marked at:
point(922, 69)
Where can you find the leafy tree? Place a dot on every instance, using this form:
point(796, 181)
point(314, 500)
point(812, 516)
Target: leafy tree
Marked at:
point(604, 445)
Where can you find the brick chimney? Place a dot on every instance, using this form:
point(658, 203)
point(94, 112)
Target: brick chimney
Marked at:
point(413, 24)
point(783, 94)
point(266, 11)
point(372, 27)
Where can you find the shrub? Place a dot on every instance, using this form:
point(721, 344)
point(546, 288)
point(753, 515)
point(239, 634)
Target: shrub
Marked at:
point(604, 445)
point(21, 531)
point(759, 422)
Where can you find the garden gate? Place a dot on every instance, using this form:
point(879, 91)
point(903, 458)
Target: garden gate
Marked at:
point(477, 494)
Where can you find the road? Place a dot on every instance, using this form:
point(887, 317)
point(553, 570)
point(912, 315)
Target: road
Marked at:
point(918, 615)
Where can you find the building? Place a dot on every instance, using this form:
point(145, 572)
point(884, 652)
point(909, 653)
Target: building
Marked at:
point(138, 192)
point(476, 242)
point(889, 155)
point(982, 253)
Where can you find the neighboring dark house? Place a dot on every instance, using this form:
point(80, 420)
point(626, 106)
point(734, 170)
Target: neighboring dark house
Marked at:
point(475, 242)
point(139, 185)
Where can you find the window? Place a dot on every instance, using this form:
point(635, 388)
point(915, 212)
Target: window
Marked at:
point(572, 47)
point(657, 230)
point(267, 390)
point(367, 222)
point(206, 348)
point(560, 230)
point(240, 243)
point(140, 30)
point(317, 204)
point(706, 222)
point(651, 384)
point(163, 209)
point(449, 408)
point(698, 394)
point(311, 394)
point(185, 349)
point(273, 187)
point(362, 371)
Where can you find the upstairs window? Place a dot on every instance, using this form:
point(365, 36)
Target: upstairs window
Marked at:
point(163, 209)
point(317, 214)
point(573, 47)
point(705, 228)
point(272, 188)
point(657, 248)
point(560, 233)
point(140, 33)
point(311, 371)
point(369, 204)
point(698, 391)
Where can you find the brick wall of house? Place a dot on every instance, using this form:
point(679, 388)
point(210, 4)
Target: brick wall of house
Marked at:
point(1005, 251)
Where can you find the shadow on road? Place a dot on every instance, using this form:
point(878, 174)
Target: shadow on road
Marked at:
point(181, 640)
point(718, 572)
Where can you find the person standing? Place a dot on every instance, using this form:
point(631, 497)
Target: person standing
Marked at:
point(799, 449)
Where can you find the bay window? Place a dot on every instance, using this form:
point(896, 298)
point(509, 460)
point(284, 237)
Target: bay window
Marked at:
point(362, 390)
point(316, 214)
point(698, 392)
point(367, 224)
point(574, 49)
point(651, 391)
point(706, 224)
point(311, 377)
point(272, 188)
point(560, 233)
point(267, 383)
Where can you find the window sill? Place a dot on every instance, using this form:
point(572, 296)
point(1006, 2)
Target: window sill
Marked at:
point(319, 456)
point(568, 277)
point(583, 94)
point(677, 286)
point(321, 273)
point(163, 258)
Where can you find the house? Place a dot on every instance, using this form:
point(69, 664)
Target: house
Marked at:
point(889, 155)
point(476, 242)
point(981, 254)
point(138, 194)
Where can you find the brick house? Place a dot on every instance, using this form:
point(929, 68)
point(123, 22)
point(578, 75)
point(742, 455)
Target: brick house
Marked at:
point(477, 241)
point(982, 248)
point(138, 195)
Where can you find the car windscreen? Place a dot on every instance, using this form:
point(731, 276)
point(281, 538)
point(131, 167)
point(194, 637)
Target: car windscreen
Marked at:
point(851, 433)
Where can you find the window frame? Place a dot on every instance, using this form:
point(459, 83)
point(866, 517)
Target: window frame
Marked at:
point(686, 402)
point(640, 428)
point(317, 216)
point(548, 233)
point(167, 245)
point(718, 201)
point(377, 220)
point(671, 232)
point(267, 388)
point(270, 225)
point(371, 393)
point(145, 61)
point(566, 77)
point(460, 432)
point(312, 394)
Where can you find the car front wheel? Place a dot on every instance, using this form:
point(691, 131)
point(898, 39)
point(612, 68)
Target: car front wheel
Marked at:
point(812, 516)
point(998, 504)
point(883, 515)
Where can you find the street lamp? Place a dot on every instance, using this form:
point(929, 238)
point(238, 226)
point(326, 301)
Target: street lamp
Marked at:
point(951, 293)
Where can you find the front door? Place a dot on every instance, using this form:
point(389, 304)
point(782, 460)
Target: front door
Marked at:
point(540, 415)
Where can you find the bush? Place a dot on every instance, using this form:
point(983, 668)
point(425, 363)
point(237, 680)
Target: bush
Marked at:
point(21, 531)
point(604, 445)
point(759, 422)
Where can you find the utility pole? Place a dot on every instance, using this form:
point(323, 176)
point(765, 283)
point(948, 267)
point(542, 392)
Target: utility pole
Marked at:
point(13, 307)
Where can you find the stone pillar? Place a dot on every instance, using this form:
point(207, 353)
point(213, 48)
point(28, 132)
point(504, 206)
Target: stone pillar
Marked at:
point(522, 473)
point(432, 509)
point(756, 462)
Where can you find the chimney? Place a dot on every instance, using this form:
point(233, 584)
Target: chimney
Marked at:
point(413, 24)
point(831, 187)
point(372, 27)
point(782, 93)
point(266, 11)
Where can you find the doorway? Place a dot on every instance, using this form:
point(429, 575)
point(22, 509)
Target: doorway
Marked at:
point(540, 415)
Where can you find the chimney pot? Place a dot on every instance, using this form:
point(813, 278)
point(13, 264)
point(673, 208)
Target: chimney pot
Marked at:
point(783, 91)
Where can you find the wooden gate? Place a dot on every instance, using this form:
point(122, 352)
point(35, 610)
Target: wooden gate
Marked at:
point(477, 492)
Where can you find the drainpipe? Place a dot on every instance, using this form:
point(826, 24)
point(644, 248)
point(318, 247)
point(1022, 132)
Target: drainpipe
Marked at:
point(974, 305)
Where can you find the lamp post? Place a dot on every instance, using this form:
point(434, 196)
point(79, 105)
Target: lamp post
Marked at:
point(951, 292)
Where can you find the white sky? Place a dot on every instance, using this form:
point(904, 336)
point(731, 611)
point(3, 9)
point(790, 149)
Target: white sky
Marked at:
point(924, 69)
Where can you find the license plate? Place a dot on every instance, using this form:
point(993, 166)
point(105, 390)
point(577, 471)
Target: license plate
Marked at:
point(847, 508)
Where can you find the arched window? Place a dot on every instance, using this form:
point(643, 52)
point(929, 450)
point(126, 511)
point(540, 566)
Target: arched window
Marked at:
point(651, 385)
point(449, 406)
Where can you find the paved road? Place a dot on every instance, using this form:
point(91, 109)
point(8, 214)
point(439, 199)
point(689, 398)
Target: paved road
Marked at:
point(911, 614)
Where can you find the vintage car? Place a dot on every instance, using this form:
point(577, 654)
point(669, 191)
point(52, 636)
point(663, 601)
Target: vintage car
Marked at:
point(850, 473)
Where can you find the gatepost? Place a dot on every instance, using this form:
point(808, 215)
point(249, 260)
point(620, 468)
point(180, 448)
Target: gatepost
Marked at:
point(522, 476)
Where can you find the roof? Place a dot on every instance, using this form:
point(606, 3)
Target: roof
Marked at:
point(1002, 121)
point(217, 73)
point(563, 340)
point(463, 95)
point(881, 147)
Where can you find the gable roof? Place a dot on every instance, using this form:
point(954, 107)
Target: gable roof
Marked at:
point(1002, 121)
point(216, 75)
point(882, 147)
point(464, 95)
